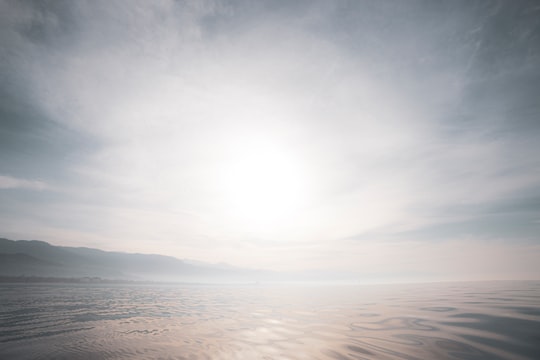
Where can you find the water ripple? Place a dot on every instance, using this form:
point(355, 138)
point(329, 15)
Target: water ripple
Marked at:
point(432, 321)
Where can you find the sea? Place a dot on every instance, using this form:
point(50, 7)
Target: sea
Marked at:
point(468, 320)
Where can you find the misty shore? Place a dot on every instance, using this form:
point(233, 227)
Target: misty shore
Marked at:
point(67, 280)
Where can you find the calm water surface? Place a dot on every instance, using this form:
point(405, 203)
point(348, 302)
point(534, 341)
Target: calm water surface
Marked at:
point(497, 320)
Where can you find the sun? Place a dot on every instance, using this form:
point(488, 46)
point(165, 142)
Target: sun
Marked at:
point(263, 184)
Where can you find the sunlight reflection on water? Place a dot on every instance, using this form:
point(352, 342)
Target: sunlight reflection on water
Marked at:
point(497, 320)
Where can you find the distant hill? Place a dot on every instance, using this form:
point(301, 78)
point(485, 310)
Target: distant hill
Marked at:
point(39, 258)
point(11, 263)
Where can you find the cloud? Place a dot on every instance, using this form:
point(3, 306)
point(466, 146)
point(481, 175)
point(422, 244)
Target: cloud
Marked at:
point(399, 118)
point(8, 182)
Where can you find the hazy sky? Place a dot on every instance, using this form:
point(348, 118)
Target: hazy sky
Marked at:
point(388, 138)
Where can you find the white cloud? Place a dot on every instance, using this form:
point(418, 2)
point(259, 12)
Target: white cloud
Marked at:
point(170, 91)
point(9, 182)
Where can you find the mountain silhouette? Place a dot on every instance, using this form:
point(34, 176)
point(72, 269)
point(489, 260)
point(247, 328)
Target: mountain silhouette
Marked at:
point(39, 258)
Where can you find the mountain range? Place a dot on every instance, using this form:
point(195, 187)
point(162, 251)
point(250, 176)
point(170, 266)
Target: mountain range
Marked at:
point(33, 258)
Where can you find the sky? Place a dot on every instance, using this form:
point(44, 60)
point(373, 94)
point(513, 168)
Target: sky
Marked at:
point(384, 139)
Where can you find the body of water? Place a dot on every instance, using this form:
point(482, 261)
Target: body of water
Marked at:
point(491, 320)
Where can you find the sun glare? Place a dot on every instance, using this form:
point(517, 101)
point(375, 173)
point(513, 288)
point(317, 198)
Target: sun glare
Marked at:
point(263, 185)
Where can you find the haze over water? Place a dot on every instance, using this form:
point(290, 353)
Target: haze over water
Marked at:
point(491, 320)
point(386, 139)
point(263, 140)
